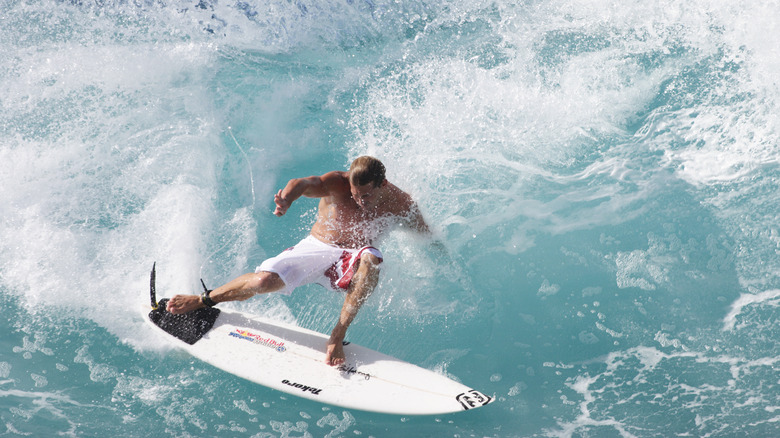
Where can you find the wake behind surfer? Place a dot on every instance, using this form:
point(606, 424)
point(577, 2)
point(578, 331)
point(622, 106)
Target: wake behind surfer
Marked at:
point(355, 208)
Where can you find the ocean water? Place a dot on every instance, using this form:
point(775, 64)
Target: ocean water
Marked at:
point(604, 176)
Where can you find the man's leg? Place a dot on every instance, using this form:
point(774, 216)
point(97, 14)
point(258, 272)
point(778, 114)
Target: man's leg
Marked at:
point(239, 289)
point(363, 283)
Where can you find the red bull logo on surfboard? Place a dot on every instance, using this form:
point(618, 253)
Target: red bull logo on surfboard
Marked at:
point(258, 339)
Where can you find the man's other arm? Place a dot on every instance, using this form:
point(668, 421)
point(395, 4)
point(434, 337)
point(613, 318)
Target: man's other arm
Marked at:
point(311, 187)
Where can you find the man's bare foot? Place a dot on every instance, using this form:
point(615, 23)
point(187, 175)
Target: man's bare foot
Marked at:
point(184, 303)
point(334, 353)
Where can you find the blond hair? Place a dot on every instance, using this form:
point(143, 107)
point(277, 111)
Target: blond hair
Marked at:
point(366, 170)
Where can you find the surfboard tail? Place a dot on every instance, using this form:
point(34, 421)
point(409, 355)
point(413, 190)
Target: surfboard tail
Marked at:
point(189, 327)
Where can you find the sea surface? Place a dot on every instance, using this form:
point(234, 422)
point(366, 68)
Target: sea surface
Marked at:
point(604, 176)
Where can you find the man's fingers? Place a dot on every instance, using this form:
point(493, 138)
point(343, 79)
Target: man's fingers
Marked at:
point(334, 354)
point(281, 204)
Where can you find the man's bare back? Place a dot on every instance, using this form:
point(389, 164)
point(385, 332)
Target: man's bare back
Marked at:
point(351, 214)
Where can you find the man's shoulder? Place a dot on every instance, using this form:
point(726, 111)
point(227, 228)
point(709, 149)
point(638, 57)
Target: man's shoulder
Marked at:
point(404, 207)
point(340, 174)
point(400, 201)
point(336, 182)
point(397, 193)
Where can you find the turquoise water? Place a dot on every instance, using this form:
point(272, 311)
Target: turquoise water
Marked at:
point(604, 176)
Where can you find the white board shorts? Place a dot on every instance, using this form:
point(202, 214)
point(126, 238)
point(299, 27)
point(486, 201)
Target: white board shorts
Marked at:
point(314, 261)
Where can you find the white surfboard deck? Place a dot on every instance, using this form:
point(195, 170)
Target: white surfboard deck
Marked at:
point(291, 359)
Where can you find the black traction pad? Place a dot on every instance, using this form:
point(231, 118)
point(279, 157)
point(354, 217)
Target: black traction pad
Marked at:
point(189, 327)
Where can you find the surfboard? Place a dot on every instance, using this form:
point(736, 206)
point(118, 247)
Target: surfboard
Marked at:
point(291, 359)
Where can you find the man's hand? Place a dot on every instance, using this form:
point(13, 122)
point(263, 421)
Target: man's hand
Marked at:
point(281, 204)
point(334, 352)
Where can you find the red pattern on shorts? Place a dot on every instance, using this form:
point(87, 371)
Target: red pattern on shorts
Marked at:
point(341, 272)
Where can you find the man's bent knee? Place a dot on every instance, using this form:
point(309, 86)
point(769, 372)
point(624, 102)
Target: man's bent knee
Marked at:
point(266, 281)
point(370, 260)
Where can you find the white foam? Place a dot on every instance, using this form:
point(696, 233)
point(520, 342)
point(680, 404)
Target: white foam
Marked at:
point(623, 383)
point(768, 298)
point(472, 141)
point(110, 164)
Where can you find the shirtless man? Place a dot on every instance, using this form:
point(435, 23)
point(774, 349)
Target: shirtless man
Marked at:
point(355, 208)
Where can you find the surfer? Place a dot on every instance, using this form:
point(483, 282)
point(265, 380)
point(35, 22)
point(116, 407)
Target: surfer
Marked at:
point(355, 207)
